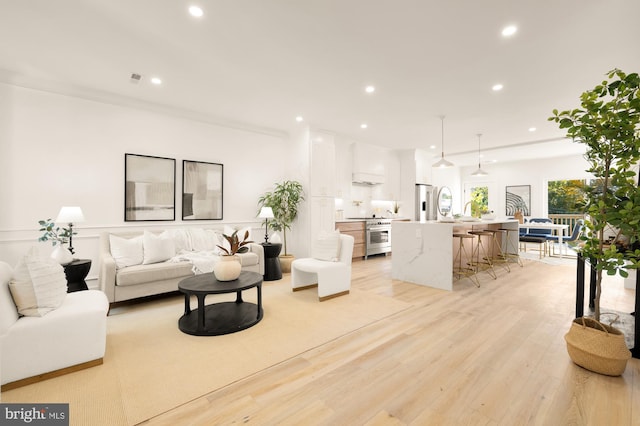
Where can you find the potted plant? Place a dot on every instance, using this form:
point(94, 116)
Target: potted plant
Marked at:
point(608, 124)
point(284, 201)
point(229, 266)
point(58, 237)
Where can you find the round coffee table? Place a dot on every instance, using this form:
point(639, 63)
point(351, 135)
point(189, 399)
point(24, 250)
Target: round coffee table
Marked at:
point(223, 317)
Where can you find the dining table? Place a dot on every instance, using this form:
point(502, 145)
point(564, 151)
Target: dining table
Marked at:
point(558, 230)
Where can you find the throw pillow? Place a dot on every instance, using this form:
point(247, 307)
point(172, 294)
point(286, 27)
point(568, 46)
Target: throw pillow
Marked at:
point(203, 240)
point(39, 285)
point(181, 239)
point(156, 248)
point(327, 246)
point(126, 251)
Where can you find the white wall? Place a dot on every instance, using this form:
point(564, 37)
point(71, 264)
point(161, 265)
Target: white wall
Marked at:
point(59, 150)
point(536, 173)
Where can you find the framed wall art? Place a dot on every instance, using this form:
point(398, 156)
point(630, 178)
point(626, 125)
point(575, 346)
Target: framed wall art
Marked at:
point(518, 198)
point(150, 188)
point(202, 185)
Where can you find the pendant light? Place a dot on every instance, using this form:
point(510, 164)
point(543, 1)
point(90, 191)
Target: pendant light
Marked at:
point(479, 172)
point(442, 163)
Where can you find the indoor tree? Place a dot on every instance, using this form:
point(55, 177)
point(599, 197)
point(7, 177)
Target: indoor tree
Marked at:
point(284, 201)
point(608, 124)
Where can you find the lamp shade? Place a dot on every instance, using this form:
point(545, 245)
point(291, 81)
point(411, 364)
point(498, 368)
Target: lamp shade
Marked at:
point(70, 215)
point(266, 213)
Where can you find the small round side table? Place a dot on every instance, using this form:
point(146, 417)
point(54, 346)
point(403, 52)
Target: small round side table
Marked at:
point(76, 272)
point(272, 270)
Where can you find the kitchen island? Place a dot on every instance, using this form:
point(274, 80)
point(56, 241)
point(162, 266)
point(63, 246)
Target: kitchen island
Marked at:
point(423, 252)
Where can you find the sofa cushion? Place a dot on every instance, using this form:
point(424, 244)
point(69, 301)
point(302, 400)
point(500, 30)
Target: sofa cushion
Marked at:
point(248, 259)
point(157, 248)
point(181, 239)
point(38, 286)
point(204, 239)
point(126, 251)
point(142, 274)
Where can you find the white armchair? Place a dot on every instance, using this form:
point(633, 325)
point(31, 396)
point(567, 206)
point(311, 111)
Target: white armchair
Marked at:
point(69, 338)
point(333, 279)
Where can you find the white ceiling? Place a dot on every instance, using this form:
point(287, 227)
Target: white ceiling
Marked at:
point(263, 62)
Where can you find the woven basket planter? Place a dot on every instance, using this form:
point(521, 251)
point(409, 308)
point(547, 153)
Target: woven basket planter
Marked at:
point(597, 347)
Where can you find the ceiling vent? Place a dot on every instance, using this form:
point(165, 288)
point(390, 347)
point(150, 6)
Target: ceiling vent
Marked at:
point(135, 78)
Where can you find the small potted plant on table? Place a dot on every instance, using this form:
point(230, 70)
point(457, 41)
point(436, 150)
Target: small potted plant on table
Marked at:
point(58, 237)
point(229, 266)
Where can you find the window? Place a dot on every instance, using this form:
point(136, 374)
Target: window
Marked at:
point(478, 200)
point(566, 196)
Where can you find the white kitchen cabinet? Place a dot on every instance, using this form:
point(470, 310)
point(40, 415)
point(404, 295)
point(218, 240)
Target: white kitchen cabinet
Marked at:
point(423, 166)
point(322, 215)
point(390, 189)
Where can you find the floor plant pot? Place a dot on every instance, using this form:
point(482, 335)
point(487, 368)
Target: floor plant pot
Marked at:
point(285, 262)
point(227, 268)
point(597, 347)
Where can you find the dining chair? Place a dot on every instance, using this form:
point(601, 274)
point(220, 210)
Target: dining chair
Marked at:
point(575, 235)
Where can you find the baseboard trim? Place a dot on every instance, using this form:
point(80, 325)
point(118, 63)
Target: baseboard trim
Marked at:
point(50, 375)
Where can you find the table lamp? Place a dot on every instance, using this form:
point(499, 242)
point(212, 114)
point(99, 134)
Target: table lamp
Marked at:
point(266, 213)
point(70, 215)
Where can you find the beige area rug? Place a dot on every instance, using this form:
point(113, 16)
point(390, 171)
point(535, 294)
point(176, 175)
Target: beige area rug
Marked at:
point(151, 367)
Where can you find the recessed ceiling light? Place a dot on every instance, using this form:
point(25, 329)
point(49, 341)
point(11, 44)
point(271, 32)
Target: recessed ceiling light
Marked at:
point(156, 81)
point(532, 129)
point(432, 147)
point(510, 30)
point(497, 87)
point(369, 89)
point(363, 126)
point(299, 119)
point(196, 11)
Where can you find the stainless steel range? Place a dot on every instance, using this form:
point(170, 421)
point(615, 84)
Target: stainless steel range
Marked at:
point(378, 236)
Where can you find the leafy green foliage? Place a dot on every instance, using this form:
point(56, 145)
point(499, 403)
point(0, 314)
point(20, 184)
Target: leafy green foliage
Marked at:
point(566, 196)
point(54, 233)
point(479, 201)
point(608, 123)
point(284, 201)
point(235, 245)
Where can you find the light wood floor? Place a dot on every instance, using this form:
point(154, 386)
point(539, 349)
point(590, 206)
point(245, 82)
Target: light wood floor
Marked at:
point(493, 355)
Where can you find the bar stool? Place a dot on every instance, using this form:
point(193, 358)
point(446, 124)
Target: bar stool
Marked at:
point(462, 253)
point(515, 254)
point(484, 263)
point(498, 257)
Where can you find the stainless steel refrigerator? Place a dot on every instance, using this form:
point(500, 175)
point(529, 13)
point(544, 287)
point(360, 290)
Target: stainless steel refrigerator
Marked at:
point(426, 207)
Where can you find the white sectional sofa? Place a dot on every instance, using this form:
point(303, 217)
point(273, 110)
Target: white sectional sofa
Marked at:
point(69, 337)
point(139, 264)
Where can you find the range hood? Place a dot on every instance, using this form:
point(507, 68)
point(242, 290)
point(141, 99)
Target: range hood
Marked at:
point(367, 178)
point(368, 164)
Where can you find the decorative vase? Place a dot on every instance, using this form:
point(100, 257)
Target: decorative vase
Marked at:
point(228, 268)
point(275, 238)
point(61, 255)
